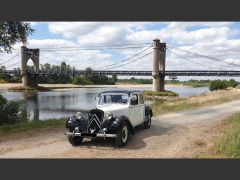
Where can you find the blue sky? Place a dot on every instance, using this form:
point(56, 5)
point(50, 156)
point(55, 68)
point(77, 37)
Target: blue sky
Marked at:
point(217, 39)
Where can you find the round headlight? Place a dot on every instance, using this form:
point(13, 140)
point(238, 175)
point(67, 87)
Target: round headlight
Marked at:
point(78, 115)
point(109, 115)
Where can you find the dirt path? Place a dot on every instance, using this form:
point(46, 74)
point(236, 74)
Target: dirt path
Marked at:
point(176, 135)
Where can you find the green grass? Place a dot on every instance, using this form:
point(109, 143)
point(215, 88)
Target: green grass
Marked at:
point(229, 145)
point(30, 127)
point(159, 93)
point(162, 107)
point(23, 88)
point(196, 84)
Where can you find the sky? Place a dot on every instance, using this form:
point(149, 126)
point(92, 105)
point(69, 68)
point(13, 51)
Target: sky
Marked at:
point(216, 39)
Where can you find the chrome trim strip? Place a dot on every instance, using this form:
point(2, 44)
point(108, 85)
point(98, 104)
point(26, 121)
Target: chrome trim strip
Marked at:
point(97, 135)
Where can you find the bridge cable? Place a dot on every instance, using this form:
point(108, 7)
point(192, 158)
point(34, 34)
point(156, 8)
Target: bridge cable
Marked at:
point(9, 59)
point(189, 59)
point(130, 61)
point(124, 59)
point(209, 57)
point(109, 45)
point(89, 49)
point(13, 64)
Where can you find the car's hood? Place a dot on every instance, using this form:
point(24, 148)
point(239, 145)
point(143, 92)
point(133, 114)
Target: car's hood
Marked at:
point(115, 109)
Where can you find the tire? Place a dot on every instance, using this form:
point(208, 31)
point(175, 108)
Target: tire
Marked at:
point(75, 140)
point(147, 124)
point(122, 135)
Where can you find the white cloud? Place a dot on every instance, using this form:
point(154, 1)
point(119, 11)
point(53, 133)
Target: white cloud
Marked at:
point(212, 38)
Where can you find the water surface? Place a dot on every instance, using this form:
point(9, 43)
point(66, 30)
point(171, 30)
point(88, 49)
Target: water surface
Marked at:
point(64, 102)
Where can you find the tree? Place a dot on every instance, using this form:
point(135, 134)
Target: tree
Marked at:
point(12, 32)
point(114, 77)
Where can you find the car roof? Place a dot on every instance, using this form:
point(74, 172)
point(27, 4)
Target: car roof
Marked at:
point(121, 91)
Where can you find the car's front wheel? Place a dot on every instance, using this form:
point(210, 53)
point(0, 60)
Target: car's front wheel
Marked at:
point(75, 140)
point(122, 135)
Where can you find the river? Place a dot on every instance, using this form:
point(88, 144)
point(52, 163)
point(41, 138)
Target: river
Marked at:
point(62, 103)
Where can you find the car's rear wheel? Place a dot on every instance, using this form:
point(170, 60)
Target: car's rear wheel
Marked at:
point(75, 140)
point(122, 135)
point(148, 123)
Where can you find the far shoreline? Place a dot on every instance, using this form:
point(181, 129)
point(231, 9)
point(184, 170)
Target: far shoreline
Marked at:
point(5, 86)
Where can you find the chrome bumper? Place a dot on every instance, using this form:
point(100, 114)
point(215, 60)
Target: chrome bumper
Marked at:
point(104, 135)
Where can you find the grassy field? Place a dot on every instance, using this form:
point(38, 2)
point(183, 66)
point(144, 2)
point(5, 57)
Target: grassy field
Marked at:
point(30, 128)
point(208, 99)
point(228, 146)
point(162, 93)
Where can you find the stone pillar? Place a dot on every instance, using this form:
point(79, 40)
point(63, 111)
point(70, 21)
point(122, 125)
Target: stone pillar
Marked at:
point(29, 80)
point(24, 59)
point(155, 68)
point(162, 65)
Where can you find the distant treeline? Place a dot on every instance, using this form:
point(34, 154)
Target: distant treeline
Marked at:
point(133, 80)
point(86, 79)
point(89, 78)
point(191, 82)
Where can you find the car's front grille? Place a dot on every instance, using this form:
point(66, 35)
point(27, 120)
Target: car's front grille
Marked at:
point(95, 119)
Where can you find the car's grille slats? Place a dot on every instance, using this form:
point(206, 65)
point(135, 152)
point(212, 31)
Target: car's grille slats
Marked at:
point(95, 120)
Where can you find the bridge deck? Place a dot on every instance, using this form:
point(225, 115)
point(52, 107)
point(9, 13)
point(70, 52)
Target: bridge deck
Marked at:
point(129, 73)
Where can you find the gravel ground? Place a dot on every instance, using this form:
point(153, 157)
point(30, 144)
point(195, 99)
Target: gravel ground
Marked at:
point(184, 134)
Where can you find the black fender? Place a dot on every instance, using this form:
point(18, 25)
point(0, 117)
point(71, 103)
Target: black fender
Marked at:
point(148, 110)
point(115, 123)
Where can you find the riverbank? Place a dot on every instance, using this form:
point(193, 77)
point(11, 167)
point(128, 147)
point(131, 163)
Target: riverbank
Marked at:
point(33, 128)
point(64, 86)
point(207, 99)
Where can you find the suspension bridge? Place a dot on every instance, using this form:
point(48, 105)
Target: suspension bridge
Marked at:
point(158, 72)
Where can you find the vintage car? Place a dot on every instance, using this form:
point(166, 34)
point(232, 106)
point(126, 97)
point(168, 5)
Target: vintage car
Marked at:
point(116, 115)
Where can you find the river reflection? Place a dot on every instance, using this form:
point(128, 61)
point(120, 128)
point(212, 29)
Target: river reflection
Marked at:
point(63, 103)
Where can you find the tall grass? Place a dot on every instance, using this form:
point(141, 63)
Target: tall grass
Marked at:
point(163, 107)
point(31, 127)
point(229, 145)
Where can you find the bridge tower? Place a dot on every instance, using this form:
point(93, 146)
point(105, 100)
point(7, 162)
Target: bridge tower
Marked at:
point(158, 70)
point(29, 80)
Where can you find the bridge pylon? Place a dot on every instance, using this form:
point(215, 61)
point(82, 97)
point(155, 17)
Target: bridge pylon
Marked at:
point(158, 69)
point(29, 80)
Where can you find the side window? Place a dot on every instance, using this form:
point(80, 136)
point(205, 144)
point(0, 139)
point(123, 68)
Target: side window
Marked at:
point(141, 100)
point(134, 99)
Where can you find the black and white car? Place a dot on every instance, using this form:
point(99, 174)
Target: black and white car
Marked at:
point(116, 115)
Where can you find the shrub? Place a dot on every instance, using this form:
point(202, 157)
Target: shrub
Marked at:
point(2, 81)
point(232, 83)
point(12, 112)
point(218, 84)
point(222, 84)
point(80, 80)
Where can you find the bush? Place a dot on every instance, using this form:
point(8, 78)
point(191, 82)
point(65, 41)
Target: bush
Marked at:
point(81, 80)
point(222, 84)
point(2, 81)
point(12, 112)
point(218, 84)
point(232, 83)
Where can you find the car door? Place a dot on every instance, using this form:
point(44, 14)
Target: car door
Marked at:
point(142, 108)
point(135, 110)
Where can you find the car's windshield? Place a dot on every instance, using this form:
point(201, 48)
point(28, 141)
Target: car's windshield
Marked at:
point(113, 98)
